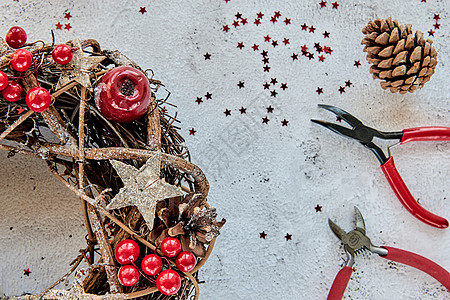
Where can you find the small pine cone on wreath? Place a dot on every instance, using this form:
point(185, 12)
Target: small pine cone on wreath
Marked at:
point(402, 60)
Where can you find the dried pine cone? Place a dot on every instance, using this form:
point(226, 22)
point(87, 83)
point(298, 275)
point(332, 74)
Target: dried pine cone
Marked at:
point(402, 60)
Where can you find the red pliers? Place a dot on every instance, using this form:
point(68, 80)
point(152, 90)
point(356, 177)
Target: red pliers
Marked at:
point(356, 241)
point(365, 135)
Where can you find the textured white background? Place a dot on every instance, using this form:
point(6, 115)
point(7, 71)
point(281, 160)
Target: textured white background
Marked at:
point(263, 177)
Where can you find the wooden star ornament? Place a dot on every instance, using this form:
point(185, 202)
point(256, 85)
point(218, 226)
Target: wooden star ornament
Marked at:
point(143, 187)
point(78, 69)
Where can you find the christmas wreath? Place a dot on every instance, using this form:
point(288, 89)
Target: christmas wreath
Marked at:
point(95, 118)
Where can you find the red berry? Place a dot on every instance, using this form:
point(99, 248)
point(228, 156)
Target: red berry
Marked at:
point(38, 99)
point(4, 80)
point(123, 94)
point(16, 37)
point(62, 54)
point(21, 60)
point(186, 261)
point(128, 275)
point(13, 91)
point(168, 282)
point(170, 247)
point(127, 251)
point(151, 264)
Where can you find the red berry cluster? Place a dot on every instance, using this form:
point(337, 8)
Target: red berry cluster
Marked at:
point(38, 99)
point(168, 281)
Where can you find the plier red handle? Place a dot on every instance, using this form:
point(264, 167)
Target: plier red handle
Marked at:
point(356, 241)
point(365, 135)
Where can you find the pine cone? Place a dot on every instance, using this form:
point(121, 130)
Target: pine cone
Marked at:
point(403, 61)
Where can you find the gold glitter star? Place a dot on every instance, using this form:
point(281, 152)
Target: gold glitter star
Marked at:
point(78, 69)
point(142, 188)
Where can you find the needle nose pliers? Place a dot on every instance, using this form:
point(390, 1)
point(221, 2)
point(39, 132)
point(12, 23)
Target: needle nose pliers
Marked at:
point(356, 241)
point(365, 136)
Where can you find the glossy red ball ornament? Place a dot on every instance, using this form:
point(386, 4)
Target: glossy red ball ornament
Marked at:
point(186, 261)
point(4, 80)
point(62, 54)
point(128, 275)
point(127, 251)
point(170, 247)
point(16, 37)
point(38, 99)
point(168, 282)
point(151, 264)
point(13, 92)
point(21, 60)
point(123, 94)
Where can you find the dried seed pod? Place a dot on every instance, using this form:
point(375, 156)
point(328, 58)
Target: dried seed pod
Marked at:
point(403, 60)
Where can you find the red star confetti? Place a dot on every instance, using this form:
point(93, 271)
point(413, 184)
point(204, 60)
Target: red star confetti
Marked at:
point(207, 56)
point(294, 56)
point(357, 63)
point(326, 34)
point(67, 26)
point(240, 45)
point(27, 272)
point(321, 58)
point(208, 96)
point(20, 110)
point(287, 21)
point(425, 1)
point(431, 32)
point(244, 21)
point(304, 48)
point(199, 100)
point(243, 110)
point(273, 81)
point(226, 1)
point(319, 90)
point(437, 25)
point(67, 15)
point(318, 208)
point(192, 131)
point(142, 10)
point(304, 26)
point(257, 22)
point(235, 23)
point(323, 4)
point(227, 112)
point(255, 47)
point(341, 89)
point(226, 28)
point(335, 5)
point(327, 50)
point(436, 17)
point(288, 237)
point(266, 68)
point(265, 120)
point(286, 41)
point(348, 83)
point(312, 29)
point(262, 235)
point(273, 93)
point(277, 14)
point(59, 26)
point(241, 84)
point(284, 86)
point(273, 20)
point(260, 15)
point(267, 38)
point(269, 109)
point(284, 122)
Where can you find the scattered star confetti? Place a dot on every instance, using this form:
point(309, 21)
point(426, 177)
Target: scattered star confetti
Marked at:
point(323, 4)
point(142, 188)
point(27, 272)
point(335, 5)
point(284, 122)
point(67, 15)
point(327, 50)
point(288, 237)
point(241, 84)
point(226, 28)
point(304, 26)
point(20, 110)
point(294, 56)
point(326, 34)
point(436, 17)
point(244, 21)
point(273, 20)
point(262, 235)
point(273, 81)
point(67, 26)
point(269, 109)
point(267, 38)
point(192, 131)
point(287, 21)
point(265, 120)
point(357, 63)
point(243, 110)
point(260, 15)
point(321, 58)
point(265, 60)
point(311, 56)
point(266, 86)
point(208, 96)
point(312, 29)
point(207, 56)
point(277, 14)
point(142, 10)
point(341, 89)
point(227, 112)
point(304, 48)
point(266, 68)
point(284, 86)
point(318, 208)
point(59, 26)
point(199, 100)
point(274, 43)
point(240, 45)
point(286, 41)
point(348, 83)
point(255, 47)
point(257, 22)
point(264, 53)
point(273, 93)
point(238, 15)
point(319, 90)
point(431, 32)
point(437, 25)
point(235, 23)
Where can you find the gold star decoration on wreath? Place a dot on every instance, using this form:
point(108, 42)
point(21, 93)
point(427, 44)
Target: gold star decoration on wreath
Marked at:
point(143, 188)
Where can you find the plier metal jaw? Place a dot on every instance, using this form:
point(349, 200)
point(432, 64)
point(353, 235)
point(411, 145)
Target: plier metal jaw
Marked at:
point(365, 135)
point(356, 241)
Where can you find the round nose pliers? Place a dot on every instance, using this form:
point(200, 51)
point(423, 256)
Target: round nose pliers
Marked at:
point(365, 136)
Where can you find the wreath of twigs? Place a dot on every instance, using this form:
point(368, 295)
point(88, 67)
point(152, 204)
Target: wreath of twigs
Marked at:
point(77, 142)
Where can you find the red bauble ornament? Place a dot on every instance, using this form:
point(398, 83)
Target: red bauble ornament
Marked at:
point(170, 247)
point(168, 282)
point(13, 91)
point(21, 60)
point(128, 275)
point(4, 80)
point(151, 264)
point(62, 54)
point(186, 261)
point(123, 94)
point(38, 99)
point(16, 37)
point(127, 251)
